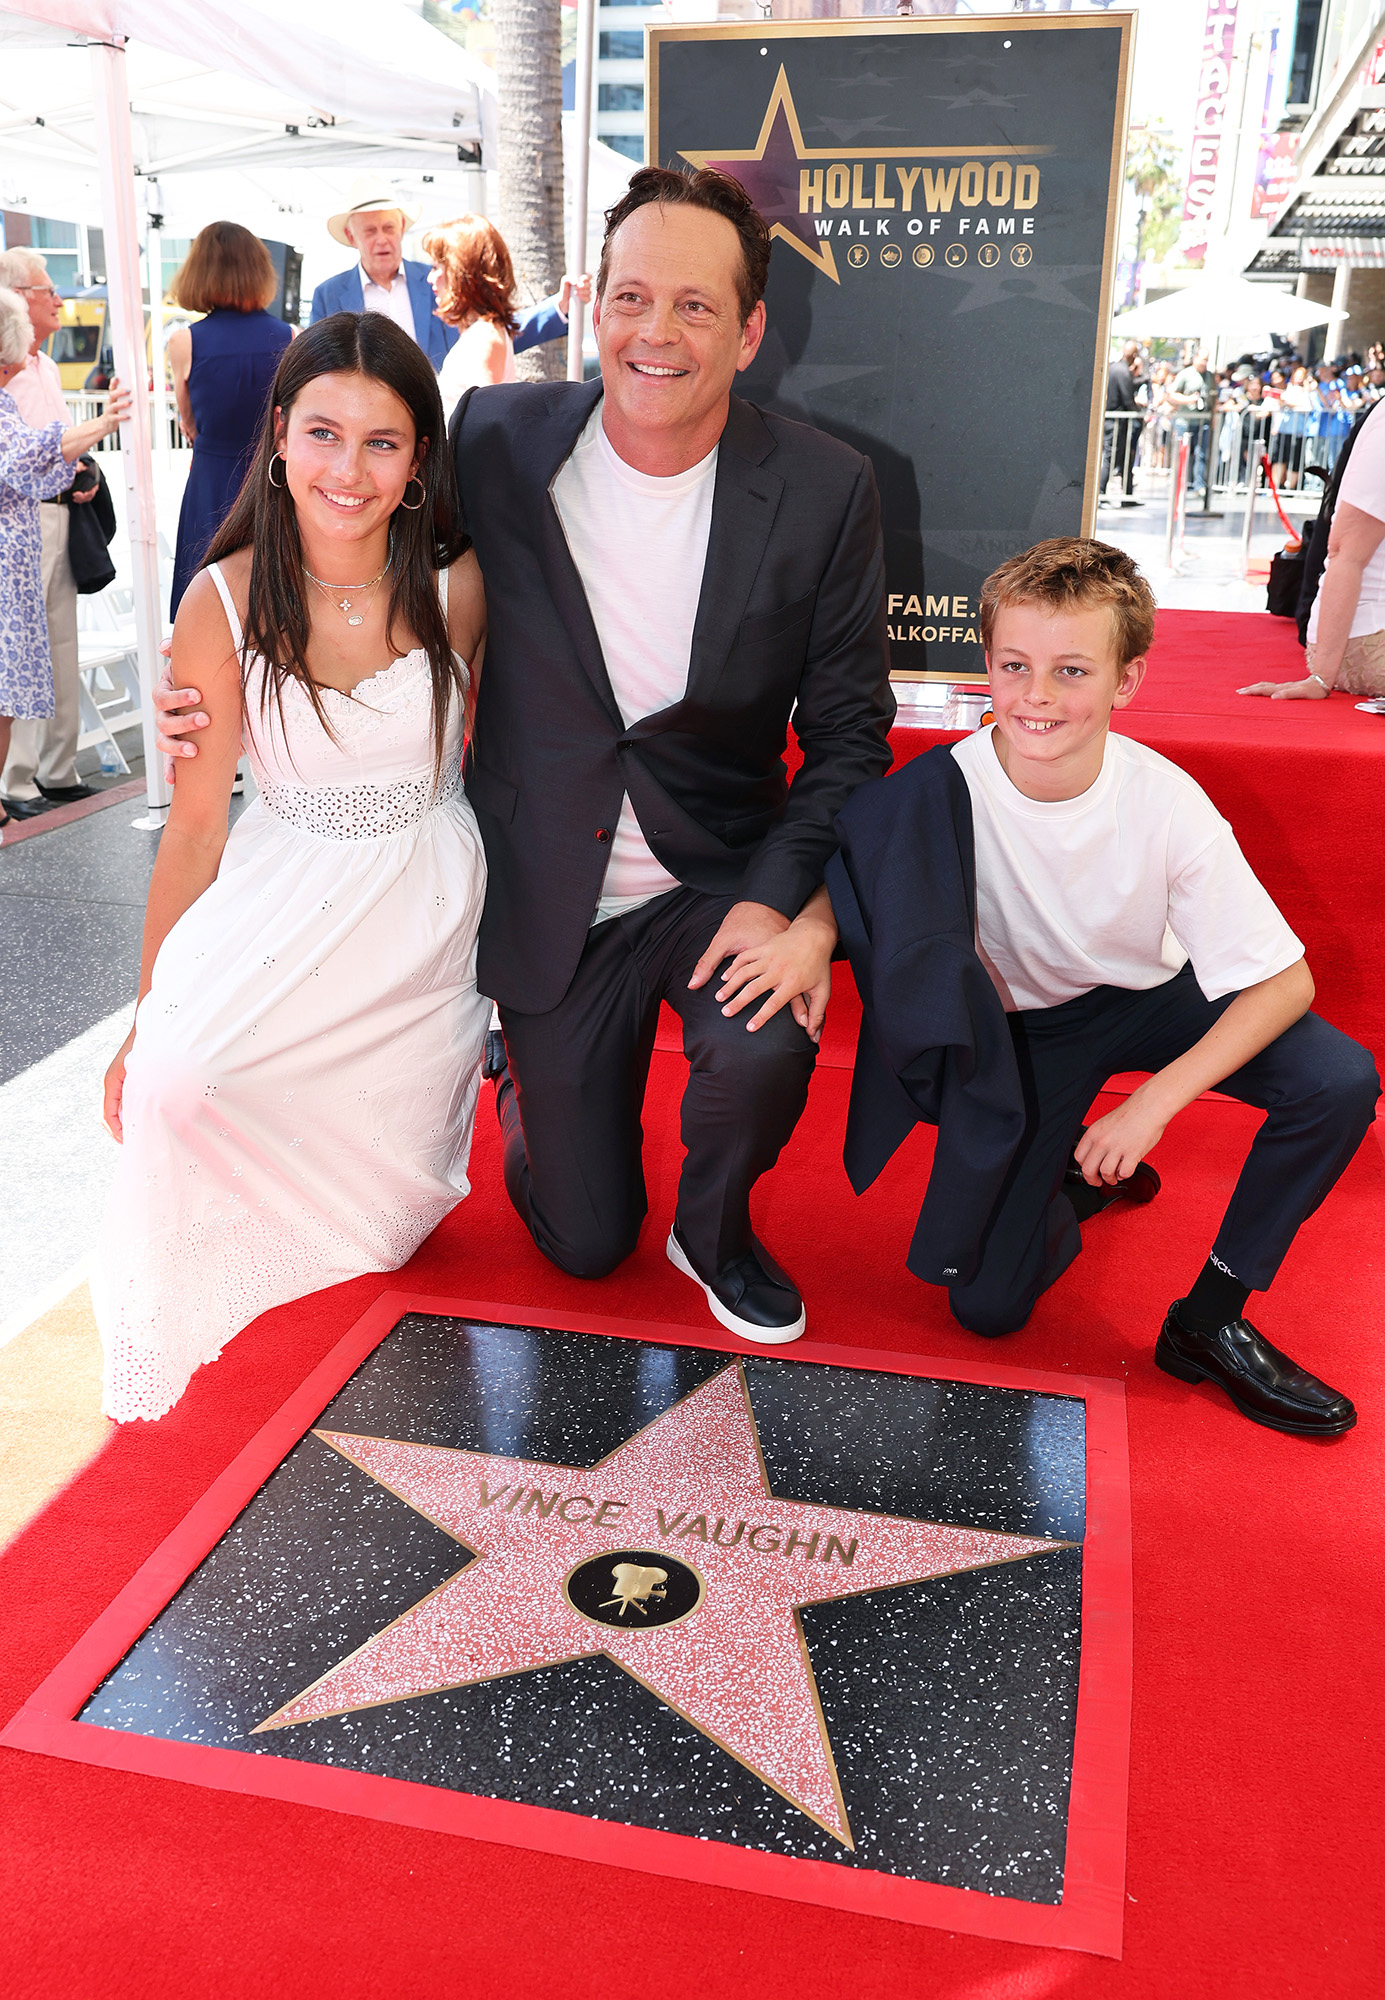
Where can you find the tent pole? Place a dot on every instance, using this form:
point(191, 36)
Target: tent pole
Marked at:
point(154, 260)
point(115, 154)
point(582, 106)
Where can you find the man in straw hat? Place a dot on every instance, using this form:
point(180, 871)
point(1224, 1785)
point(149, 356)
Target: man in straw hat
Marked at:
point(373, 224)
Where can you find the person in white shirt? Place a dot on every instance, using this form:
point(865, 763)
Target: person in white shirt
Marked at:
point(1123, 930)
point(41, 768)
point(1346, 627)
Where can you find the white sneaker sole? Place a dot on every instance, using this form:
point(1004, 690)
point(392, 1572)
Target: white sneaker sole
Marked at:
point(763, 1336)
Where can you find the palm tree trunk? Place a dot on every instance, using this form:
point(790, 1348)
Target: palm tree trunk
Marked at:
point(529, 79)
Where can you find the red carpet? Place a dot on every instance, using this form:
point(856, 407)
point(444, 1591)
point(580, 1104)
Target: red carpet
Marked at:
point(1255, 1849)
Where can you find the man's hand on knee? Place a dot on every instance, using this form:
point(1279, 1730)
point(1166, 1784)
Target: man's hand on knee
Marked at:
point(177, 717)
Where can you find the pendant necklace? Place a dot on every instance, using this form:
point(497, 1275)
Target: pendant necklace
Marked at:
point(342, 594)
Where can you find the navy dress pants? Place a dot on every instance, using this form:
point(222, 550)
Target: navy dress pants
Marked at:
point(1317, 1086)
point(570, 1110)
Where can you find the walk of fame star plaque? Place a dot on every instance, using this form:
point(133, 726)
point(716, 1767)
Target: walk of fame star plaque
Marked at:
point(850, 1627)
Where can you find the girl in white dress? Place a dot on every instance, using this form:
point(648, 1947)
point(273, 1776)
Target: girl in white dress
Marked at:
point(473, 282)
point(296, 1099)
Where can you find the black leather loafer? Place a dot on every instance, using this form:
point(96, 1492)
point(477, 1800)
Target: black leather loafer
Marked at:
point(25, 808)
point(494, 1062)
point(66, 795)
point(752, 1297)
point(1264, 1384)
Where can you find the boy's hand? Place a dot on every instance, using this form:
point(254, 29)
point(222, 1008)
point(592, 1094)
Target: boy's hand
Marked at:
point(1112, 1148)
point(793, 968)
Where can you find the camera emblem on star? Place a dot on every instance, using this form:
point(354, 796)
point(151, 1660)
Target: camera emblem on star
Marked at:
point(857, 256)
point(634, 1589)
point(956, 253)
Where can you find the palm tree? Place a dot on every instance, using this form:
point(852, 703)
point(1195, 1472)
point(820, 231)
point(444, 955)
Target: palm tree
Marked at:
point(529, 81)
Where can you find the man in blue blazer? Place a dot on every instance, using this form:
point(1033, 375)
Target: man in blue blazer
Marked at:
point(384, 280)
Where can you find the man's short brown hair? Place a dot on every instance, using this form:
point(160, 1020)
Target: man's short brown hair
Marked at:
point(702, 187)
point(1075, 573)
point(226, 266)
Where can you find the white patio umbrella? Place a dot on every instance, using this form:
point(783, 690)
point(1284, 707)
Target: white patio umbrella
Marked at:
point(1218, 307)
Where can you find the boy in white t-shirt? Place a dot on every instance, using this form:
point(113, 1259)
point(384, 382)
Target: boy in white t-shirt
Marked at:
point(1124, 930)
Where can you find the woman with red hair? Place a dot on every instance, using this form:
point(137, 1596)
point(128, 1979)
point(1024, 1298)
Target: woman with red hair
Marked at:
point(473, 282)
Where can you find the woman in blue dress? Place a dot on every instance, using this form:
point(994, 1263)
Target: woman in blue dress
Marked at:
point(34, 466)
point(222, 367)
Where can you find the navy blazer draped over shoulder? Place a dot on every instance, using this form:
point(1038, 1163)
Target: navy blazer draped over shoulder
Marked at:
point(935, 1045)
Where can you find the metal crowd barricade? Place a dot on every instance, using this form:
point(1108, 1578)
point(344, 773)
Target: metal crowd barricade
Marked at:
point(1121, 448)
point(84, 404)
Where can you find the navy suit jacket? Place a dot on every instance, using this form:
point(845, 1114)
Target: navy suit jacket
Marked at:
point(790, 623)
point(935, 1045)
point(345, 293)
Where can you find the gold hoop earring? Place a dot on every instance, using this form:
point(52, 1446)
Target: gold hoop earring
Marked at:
point(277, 458)
point(422, 495)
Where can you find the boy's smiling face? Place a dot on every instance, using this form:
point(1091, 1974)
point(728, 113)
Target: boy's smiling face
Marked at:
point(1055, 679)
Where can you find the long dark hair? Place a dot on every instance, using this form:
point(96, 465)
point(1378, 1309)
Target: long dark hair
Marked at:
point(422, 542)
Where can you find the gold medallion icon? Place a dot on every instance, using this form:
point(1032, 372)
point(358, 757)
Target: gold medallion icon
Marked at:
point(891, 256)
point(956, 253)
point(923, 255)
point(634, 1590)
point(988, 255)
point(1021, 254)
point(857, 255)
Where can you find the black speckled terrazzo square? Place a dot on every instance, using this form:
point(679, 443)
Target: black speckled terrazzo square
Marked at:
point(947, 1703)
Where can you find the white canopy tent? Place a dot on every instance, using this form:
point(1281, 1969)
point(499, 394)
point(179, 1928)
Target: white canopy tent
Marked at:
point(261, 110)
point(1226, 308)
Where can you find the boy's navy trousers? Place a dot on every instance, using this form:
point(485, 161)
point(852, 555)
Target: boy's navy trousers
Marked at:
point(1317, 1086)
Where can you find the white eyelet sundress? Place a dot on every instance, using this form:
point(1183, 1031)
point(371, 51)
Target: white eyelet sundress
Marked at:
point(300, 1095)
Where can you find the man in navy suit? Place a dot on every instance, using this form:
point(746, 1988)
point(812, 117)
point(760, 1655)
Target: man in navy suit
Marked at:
point(386, 281)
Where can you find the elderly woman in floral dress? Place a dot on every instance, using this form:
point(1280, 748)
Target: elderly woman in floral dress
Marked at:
point(34, 466)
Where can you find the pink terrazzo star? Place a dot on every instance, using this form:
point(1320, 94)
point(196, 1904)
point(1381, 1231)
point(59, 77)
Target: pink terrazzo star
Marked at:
point(691, 1485)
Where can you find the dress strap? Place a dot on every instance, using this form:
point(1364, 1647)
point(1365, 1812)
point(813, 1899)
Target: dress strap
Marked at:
point(442, 590)
point(223, 591)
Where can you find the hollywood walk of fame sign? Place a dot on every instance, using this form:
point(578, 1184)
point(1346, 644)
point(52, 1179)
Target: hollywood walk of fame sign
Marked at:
point(942, 197)
point(659, 1605)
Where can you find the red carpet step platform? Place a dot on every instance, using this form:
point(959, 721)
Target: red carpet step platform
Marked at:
point(1255, 1846)
point(1254, 1832)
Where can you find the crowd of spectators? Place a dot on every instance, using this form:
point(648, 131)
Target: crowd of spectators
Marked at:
point(1272, 403)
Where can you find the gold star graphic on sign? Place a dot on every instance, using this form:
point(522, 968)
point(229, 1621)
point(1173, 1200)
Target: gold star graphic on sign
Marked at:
point(768, 171)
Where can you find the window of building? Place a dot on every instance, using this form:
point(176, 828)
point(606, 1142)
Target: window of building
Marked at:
point(628, 143)
point(1303, 65)
point(620, 97)
point(623, 46)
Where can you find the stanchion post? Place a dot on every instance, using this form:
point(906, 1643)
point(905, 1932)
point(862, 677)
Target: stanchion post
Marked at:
point(1252, 486)
point(1180, 470)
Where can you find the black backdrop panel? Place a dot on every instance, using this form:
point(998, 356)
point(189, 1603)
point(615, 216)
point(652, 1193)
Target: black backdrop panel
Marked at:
point(943, 201)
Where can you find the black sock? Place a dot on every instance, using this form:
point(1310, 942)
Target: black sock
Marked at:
point(1217, 1297)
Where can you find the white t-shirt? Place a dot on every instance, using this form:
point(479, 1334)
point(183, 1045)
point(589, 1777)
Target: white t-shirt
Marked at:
point(392, 300)
point(1118, 887)
point(1363, 486)
point(640, 547)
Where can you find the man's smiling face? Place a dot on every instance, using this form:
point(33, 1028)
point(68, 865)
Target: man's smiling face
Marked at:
point(668, 323)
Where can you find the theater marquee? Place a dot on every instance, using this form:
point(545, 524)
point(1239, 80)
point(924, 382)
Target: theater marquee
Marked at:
point(943, 198)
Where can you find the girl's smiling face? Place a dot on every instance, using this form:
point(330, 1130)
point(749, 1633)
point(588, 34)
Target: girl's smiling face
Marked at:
point(350, 449)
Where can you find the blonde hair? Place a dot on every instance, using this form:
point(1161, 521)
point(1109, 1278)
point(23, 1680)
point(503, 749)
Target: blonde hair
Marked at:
point(1073, 572)
point(16, 329)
